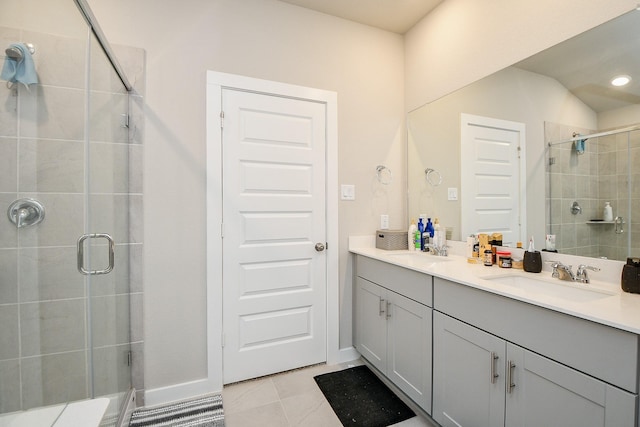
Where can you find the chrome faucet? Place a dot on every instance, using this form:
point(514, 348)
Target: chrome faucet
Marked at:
point(581, 274)
point(438, 250)
point(563, 272)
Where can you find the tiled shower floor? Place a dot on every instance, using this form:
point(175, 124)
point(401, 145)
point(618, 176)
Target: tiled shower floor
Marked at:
point(287, 400)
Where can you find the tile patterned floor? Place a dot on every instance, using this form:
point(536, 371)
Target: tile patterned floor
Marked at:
point(289, 399)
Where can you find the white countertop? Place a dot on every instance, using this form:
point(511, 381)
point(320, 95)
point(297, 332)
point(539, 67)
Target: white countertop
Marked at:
point(615, 308)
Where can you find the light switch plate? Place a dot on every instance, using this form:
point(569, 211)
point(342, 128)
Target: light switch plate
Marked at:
point(348, 192)
point(384, 222)
point(452, 193)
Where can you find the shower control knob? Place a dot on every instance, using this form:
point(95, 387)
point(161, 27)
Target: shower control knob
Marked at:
point(25, 212)
point(319, 247)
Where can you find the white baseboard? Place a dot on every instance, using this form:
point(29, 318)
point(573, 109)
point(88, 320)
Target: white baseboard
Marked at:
point(348, 354)
point(188, 390)
point(176, 392)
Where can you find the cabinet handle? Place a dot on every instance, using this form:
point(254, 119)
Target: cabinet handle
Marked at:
point(510, 383)
point(494, 374)
point(381, 307)
point(388, 310)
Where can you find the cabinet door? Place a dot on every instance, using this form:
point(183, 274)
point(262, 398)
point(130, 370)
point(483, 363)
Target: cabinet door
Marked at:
point(409, 348)
point(468, 375)
point(371, 323)
point(546, 393)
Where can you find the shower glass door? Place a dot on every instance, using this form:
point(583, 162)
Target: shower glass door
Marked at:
point(64, 336)
point(108, 228)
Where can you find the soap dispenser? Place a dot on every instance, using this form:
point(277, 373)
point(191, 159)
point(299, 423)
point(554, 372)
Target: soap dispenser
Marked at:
point(608, 212)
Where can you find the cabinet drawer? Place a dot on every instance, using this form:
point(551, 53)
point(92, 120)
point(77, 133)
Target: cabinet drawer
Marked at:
point(412, 284)
point(603, 352)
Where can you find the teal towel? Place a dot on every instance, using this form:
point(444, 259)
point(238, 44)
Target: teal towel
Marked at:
point(22, 71)
point(580, 144)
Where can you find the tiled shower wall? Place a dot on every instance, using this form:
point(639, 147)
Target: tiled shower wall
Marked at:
point(599, 175)
point(44, 301)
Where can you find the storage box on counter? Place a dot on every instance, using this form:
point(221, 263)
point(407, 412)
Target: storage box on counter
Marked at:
point(392, 240)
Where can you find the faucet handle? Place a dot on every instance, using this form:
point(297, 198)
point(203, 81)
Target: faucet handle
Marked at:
point(581, 274)
point(557, 265)
point(554, 265)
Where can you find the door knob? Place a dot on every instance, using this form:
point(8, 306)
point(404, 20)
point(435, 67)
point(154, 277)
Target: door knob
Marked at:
point(319, 247)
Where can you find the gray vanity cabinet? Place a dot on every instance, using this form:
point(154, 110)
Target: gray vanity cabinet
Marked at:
point(371, 322)
point(498, 361)
point(393, 325)
point(467, 376)
point(481, 380)
point(547, 393)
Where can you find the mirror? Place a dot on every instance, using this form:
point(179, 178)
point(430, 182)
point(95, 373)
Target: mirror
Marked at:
point(555, 93)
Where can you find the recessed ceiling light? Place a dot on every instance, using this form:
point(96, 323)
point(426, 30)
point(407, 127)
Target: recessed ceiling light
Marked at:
point(620, 80)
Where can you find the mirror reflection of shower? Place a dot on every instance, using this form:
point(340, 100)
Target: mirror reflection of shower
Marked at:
point(590, 202)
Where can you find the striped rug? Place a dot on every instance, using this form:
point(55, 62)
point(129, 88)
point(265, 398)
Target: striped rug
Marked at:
point(202, 412)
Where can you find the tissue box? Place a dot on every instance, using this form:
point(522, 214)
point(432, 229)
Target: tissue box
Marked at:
point(392, 240)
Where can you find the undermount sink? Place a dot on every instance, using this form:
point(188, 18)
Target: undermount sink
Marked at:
point(416, 256)
point(571, 291)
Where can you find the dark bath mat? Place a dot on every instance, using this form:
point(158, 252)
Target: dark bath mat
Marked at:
point(359, 398)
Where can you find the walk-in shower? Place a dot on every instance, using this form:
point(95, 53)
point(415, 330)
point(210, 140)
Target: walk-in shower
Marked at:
point(70, 213)
point(586, 173)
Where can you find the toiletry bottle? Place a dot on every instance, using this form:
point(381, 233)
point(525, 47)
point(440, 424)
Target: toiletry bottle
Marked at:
point(430, 227)
point(419, 241)
point(411, 235)
point(608, 212)
point(425, 240)
point(437, 232)
point(471, 240)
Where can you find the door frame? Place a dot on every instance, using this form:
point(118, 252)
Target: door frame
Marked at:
point(216, 82)
point(468, 120)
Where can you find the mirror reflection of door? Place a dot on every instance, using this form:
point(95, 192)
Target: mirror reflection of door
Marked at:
point(492, 158)
point(568, 85)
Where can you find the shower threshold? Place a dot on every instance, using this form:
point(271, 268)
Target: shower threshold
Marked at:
point(87, 413)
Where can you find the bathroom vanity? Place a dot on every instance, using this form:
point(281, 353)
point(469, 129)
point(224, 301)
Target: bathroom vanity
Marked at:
point(485, 346)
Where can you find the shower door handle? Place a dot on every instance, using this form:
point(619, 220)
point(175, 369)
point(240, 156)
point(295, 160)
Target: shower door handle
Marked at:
point(111, 246)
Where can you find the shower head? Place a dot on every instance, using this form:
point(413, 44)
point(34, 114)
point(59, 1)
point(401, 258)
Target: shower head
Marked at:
point(16, 54)
point(13, 53)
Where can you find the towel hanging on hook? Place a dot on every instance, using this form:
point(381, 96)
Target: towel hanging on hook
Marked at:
point(580, 144)
point(18, 65)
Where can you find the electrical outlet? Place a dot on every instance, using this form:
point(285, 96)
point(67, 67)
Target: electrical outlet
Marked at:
point(347, 192)
point(384, 222)
point(452, 193)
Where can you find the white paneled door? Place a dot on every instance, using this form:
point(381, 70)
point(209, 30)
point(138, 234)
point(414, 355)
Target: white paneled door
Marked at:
point(274, 234)
point(493, 177)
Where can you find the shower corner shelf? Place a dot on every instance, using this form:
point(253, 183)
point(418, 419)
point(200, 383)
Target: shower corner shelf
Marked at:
point(602, 222)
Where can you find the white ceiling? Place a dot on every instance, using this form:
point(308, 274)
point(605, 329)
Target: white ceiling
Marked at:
point(397, 16)
point(586, 63)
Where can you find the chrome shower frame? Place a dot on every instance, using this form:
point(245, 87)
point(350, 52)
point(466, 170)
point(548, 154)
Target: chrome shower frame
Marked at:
point(102, 40)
